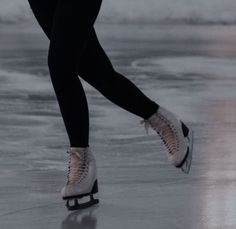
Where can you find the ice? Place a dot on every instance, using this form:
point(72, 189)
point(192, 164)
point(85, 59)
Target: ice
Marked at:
point(190, 70)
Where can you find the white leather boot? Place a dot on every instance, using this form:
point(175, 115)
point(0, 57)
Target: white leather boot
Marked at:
point(81, 178)
point(177, 137)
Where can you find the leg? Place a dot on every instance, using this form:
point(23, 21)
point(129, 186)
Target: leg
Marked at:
point(109, 82)
point(68, 24)
point(43, 11)
point(95, 56)
point(96, 68)
point(65, 49)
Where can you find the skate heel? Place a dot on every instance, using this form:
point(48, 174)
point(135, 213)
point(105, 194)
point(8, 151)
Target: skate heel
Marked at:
point(73, 202)
point(95, 187)
point(185, 165)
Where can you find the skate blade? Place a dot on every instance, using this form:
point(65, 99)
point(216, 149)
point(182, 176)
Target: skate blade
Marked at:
point(77, 206)
point(186, 164)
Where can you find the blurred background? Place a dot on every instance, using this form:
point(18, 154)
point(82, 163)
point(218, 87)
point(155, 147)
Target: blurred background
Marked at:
point(180, 53)
point(201, 11)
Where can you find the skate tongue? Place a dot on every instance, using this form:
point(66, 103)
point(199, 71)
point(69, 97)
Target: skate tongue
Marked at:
point(77, 150)
point(77, 165)
point(80, 155)
point(153, 122)
point(146, 124)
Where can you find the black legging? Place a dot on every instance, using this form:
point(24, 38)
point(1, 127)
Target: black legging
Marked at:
point(75, 50)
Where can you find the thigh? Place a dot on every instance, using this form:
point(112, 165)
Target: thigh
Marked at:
point(73, 21)
point(43, 11)
point(94, 63)
point(94, 58)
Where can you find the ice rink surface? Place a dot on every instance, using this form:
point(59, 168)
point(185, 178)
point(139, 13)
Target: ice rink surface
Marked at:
point(189, 69)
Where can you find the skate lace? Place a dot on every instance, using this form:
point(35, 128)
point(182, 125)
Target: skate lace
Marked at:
point(77, 167)
point(165, 130)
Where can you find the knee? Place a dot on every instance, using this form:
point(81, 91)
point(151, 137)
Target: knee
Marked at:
point(96, 68)
point(55, 56)
point(96, 73)
point(98, 77)
point(57, 59)
point(50, 60)
point(52, 63)
point(61, 67)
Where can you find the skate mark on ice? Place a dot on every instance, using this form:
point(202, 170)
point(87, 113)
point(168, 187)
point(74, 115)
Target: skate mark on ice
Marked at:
point(28, 209)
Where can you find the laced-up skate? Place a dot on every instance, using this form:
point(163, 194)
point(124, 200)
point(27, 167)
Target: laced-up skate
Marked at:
point(176, 136)
point(81, 178)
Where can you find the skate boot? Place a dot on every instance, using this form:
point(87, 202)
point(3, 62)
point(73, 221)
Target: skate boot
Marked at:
point(176, 136)
point(81, 178)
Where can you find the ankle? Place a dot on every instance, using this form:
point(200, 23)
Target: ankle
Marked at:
point(72, 148)
point(154, 112)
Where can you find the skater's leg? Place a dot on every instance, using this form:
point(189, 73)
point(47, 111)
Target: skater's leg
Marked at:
point(44, 11)
point(67, 37)
point(68, 24)
point(96, 68)
point(177, 137)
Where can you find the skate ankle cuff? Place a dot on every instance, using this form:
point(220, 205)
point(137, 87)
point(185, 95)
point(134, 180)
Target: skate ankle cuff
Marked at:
point(77, 148)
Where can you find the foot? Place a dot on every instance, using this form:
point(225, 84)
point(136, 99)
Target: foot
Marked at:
point(81, 178)
point(176, 136)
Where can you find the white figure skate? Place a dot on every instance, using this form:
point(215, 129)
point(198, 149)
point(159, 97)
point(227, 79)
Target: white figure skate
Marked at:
point(81, 178)
point(176, 136)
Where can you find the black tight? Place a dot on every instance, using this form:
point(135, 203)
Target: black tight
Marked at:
point(75, 50)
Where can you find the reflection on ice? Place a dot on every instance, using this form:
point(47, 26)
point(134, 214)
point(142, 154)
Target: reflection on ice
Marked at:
point(80, 219)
